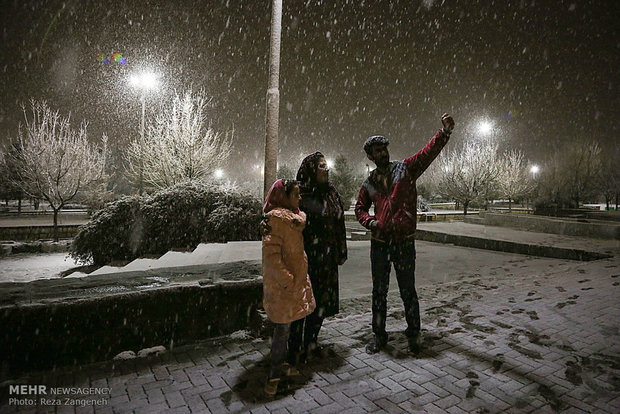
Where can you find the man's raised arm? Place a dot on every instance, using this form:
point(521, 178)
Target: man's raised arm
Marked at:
point(419, 162)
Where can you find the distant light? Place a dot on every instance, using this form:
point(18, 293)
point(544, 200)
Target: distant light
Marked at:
point(535, 169)
point(144, 80)
point(330, 163)
point(218, 173)
point(485, 127)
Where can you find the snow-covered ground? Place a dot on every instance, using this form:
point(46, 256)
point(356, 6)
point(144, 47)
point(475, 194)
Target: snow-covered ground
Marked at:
point(25, 267)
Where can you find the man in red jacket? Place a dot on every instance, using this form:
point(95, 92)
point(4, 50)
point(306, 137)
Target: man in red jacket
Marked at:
point(391, 188)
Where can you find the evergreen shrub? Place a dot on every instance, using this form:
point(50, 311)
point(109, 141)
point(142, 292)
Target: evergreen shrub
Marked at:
point(180, 217)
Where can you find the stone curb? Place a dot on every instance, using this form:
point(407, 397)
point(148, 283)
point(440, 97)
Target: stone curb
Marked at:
point(509, 247)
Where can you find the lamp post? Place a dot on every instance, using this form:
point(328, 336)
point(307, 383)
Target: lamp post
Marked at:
point(144, 81)
point(273, 98)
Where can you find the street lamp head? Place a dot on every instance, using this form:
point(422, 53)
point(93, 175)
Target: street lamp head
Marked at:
point(535, 169)
point(144, 81)
point(219, 173)
point(485, 127)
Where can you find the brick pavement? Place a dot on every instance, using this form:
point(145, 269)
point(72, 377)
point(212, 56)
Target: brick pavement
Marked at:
point(548, 341)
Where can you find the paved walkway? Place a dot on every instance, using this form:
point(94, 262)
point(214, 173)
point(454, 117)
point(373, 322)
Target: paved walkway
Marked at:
point(543, 341)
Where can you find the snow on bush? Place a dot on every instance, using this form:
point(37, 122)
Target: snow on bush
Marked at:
point(111, 234)
point(180, 217)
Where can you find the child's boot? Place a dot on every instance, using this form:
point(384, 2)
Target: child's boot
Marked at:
point(271, 387)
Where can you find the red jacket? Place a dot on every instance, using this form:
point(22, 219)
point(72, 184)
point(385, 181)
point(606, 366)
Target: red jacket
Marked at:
point(396, 205)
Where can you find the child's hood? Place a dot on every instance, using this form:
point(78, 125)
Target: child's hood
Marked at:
point(288, 217)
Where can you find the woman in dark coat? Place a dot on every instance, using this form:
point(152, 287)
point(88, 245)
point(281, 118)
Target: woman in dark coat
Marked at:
point(326, 247)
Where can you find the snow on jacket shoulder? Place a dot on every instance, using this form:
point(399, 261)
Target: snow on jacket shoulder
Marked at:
point(287, 291)
point(396, 208)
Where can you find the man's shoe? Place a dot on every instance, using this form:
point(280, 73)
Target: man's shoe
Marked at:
point(316, 351)
point(415, 344)
point(297, 358)
point(289, 370)
point(376, 343)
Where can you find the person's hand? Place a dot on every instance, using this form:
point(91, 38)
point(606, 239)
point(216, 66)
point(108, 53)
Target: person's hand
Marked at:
point(375, 228)
point(374, 225)
point(264, 227)
point(447, 121)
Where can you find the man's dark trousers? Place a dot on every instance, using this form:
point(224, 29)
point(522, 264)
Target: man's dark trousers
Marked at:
point(402, 255)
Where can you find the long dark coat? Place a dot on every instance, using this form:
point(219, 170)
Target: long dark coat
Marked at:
point(325, 244)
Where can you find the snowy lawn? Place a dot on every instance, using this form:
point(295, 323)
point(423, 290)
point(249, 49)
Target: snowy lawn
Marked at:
point(25, 267)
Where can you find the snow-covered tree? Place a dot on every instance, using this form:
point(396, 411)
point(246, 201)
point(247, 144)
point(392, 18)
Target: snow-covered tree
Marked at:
point(571, 175)
point(514, 180)
point(467, 173)
point(55, 162)
point(179, 146)
point(609, 179)
point(344, 179)
point(583, 166)
point(552, 183)
point(8, 189)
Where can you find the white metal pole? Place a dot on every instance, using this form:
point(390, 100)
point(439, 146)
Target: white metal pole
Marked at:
point(273, 98)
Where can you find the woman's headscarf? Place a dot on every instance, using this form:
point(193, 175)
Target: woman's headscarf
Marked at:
point(329, 200)
point(277, 198)
point(306, 175)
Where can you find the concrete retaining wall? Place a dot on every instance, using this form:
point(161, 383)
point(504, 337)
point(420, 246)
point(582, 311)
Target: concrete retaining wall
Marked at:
point(47, 246)
point(27, 233)
point(430, 216)
point(568, 227)
point(42, 336)
point(604, 215)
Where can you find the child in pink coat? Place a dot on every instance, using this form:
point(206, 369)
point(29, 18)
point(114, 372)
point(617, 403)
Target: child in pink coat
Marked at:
point(287, 291)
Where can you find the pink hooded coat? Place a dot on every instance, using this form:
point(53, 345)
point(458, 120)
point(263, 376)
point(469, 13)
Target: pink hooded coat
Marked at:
point(287, 291)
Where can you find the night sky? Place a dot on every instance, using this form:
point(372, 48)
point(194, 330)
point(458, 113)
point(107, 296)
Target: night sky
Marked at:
point(543, 72)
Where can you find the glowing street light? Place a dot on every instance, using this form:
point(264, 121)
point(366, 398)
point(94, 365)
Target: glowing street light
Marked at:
point(144, 81)
point(219, 173)
point(330, 163)
point(485, 127)
point(534, 170)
